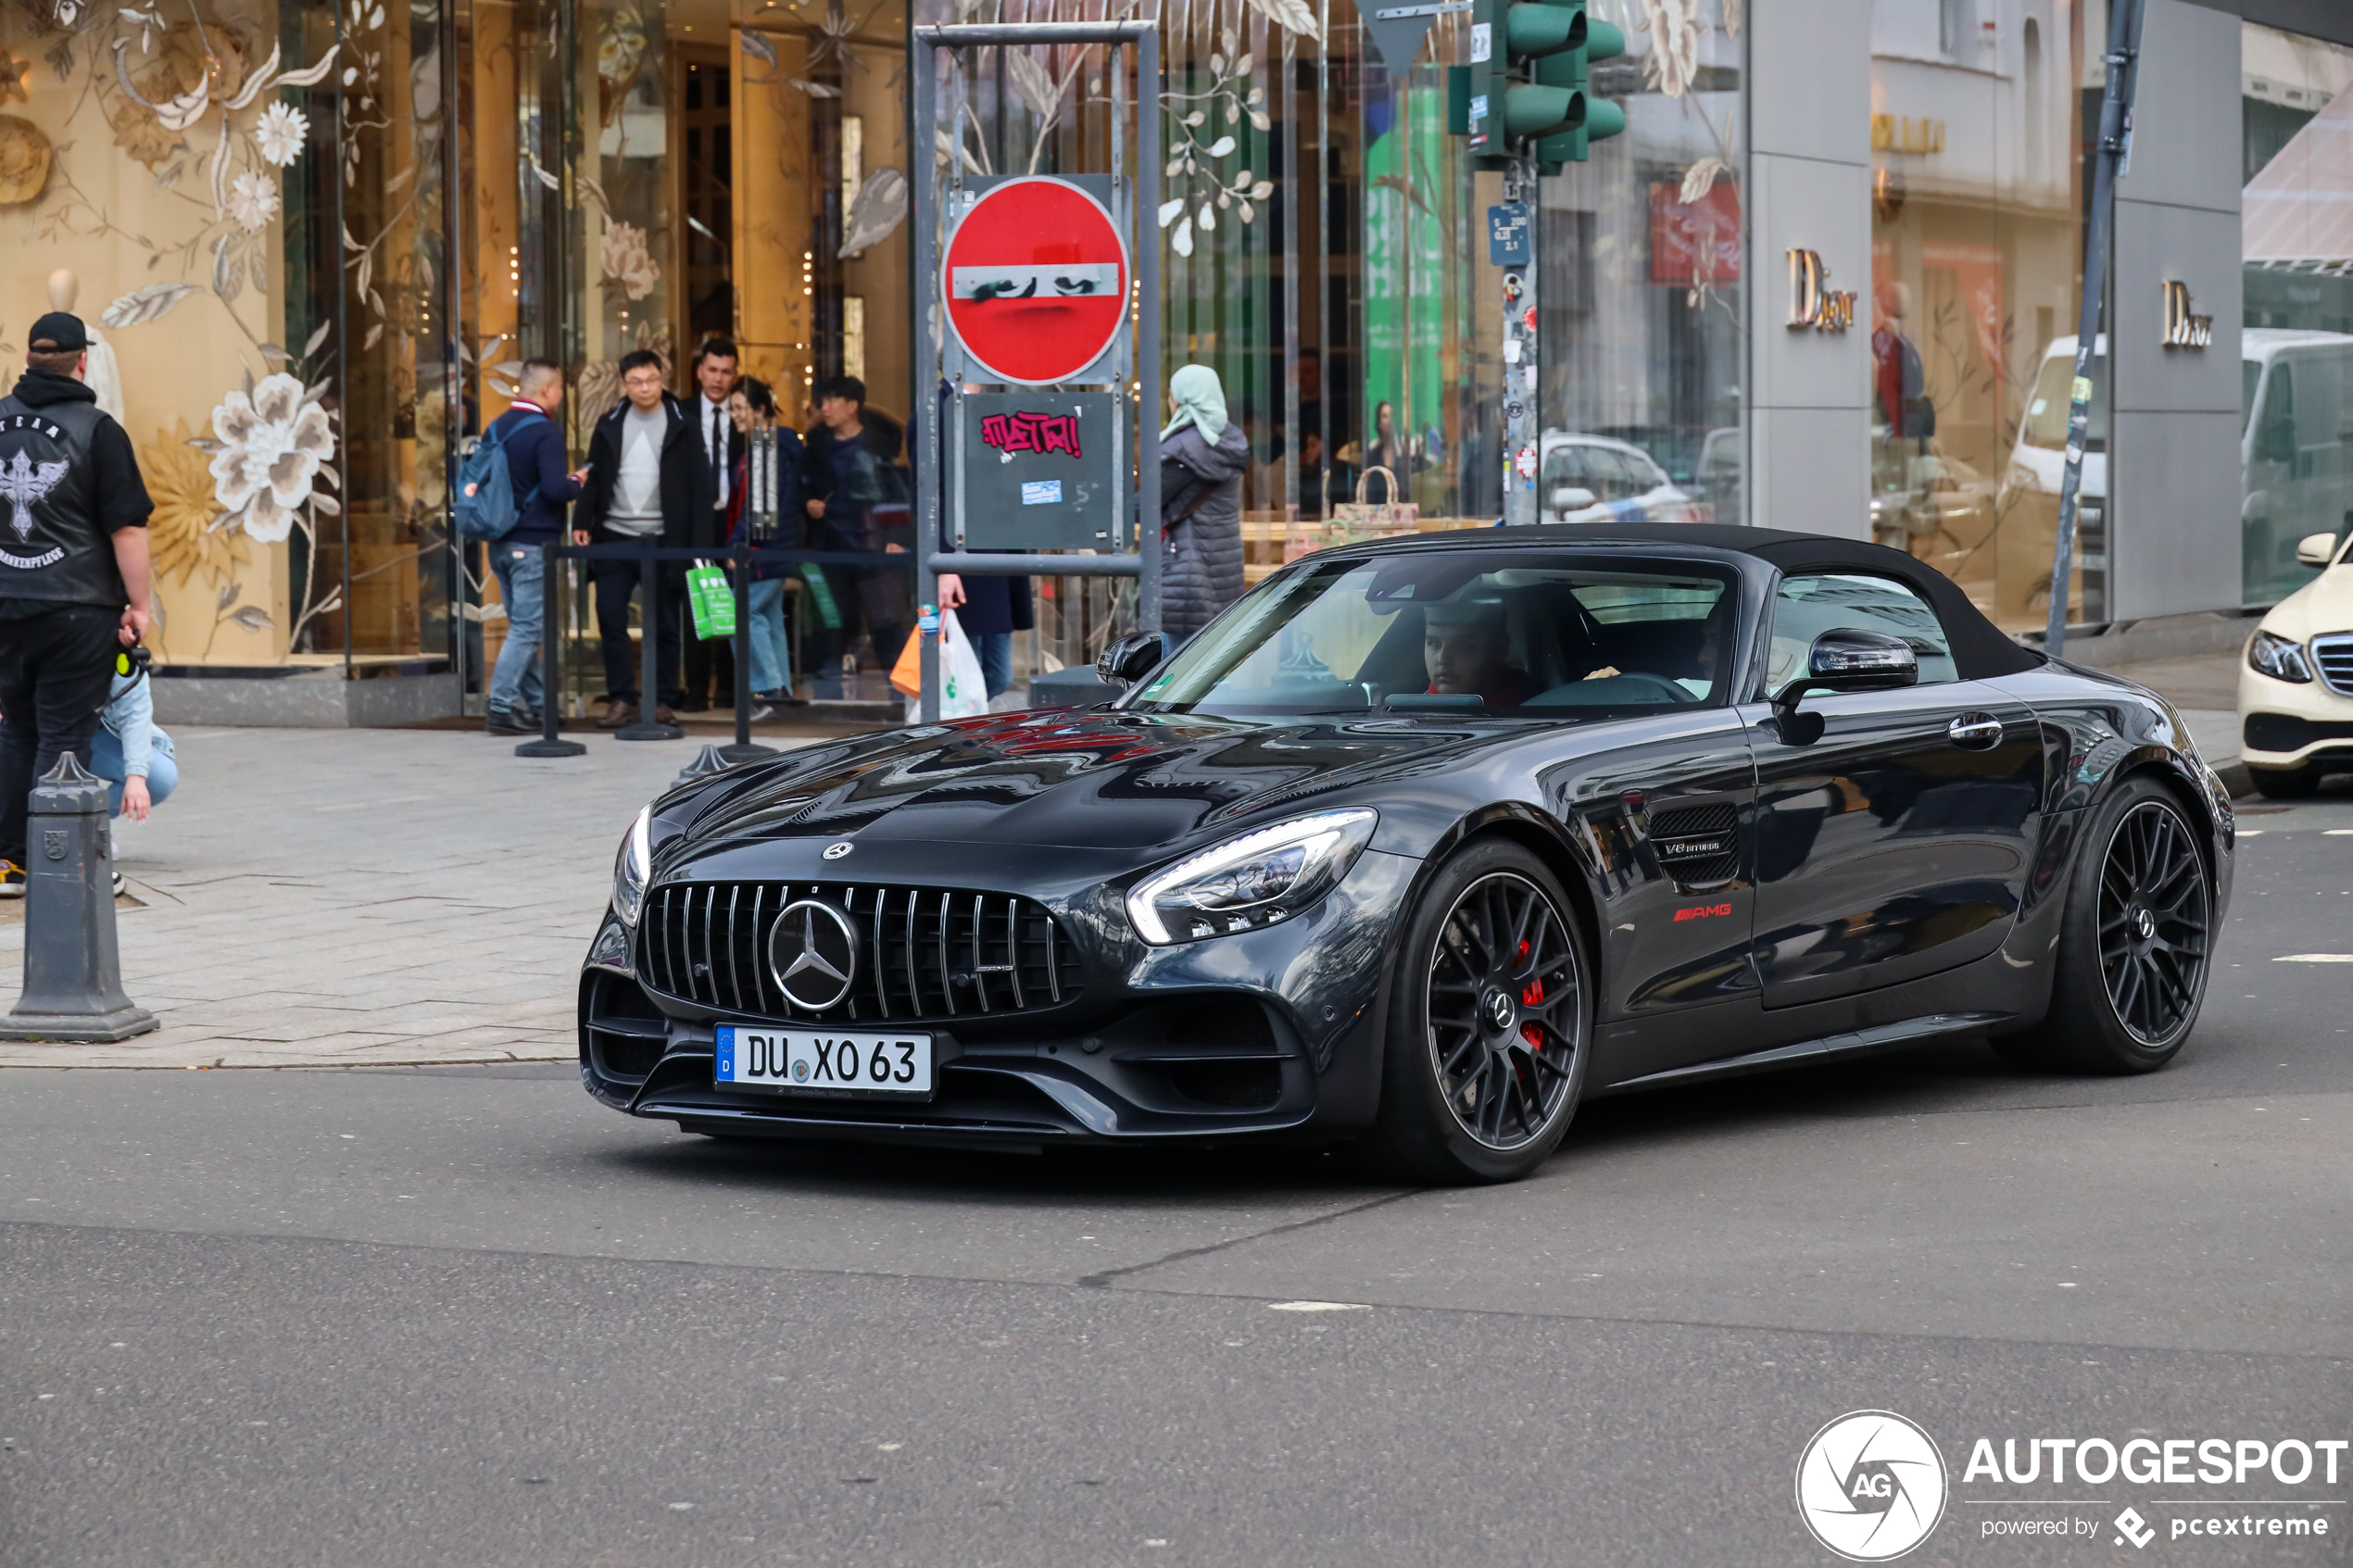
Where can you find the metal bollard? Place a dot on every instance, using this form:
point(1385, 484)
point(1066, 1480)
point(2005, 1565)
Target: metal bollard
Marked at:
point(709, 760)
point(72, 968)
point(550, 744)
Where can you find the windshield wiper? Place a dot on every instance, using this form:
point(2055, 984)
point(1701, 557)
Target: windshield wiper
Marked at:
point(1455, 702)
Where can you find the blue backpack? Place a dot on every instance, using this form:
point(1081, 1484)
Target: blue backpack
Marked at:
point(487, 507)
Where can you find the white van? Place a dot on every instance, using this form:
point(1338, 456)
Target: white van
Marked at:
point(2296, 393)
point(2297, 390)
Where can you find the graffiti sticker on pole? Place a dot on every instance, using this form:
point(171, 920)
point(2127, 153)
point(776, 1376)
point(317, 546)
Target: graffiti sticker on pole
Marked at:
point(1036, 282)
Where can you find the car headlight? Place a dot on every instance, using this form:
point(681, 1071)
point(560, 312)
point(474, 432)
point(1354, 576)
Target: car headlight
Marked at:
point(1264, 876)
point(2278, 657)
point(632, 865)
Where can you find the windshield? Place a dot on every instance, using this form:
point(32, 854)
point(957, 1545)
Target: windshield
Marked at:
point(2050, 403)
point(1541, 635)
point(1611, 475)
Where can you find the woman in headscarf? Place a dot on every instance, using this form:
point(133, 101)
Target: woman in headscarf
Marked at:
point(1202, 454)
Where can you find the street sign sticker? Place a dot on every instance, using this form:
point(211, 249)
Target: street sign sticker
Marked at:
point(1510, 242)
point(1036, 471)
point(1036, 282)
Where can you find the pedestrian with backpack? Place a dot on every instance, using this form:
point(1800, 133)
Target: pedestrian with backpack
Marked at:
point(513, 490)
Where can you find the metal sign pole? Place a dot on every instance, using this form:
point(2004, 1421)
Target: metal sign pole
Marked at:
point(2115, 145)
point(926, 406)
point(1148, 391)
point(943, 64)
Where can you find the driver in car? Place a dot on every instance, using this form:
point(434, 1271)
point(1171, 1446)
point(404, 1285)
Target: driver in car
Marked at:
point(1467, 648)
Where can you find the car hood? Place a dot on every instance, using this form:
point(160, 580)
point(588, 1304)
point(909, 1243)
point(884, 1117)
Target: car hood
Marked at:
point(2322, 605)
point(1093, 780)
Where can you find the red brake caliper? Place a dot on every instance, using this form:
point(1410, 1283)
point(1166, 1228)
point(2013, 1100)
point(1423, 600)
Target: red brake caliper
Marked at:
point(1530, 995)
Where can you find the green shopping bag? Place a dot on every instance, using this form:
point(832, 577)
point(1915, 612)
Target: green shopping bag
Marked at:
point(828, 612)
point(712, 599)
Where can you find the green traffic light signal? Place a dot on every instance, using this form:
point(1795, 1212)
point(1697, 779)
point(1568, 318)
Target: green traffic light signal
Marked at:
point(1527, 79)
point(1594, 118)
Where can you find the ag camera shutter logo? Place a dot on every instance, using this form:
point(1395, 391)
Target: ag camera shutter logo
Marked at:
point(1871, 1486)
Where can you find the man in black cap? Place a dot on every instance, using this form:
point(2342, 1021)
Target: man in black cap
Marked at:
point(73, 569)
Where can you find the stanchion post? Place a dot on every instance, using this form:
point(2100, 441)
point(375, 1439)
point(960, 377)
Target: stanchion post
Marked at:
point(743, 751)
point(550, 667)
point(648, 727)
point(72, 969)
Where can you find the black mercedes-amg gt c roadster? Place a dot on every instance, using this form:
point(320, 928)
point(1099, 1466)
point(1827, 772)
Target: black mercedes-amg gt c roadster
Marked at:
point(1420, 843)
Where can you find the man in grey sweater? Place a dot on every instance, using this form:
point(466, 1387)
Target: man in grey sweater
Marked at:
point(643, 468)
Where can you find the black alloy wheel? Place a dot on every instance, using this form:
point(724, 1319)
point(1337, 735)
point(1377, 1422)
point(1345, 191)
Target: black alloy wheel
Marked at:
point(2155, 926)
point(1490, 1027)
point(2135, 941)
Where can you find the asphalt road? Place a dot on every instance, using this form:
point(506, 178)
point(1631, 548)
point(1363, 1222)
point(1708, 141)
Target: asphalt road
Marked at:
point(464, 1316)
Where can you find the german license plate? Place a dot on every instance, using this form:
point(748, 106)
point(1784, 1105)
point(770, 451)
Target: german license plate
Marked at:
point(825, 1061)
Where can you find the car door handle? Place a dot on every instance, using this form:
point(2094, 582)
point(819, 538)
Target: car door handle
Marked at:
point(1978, 731)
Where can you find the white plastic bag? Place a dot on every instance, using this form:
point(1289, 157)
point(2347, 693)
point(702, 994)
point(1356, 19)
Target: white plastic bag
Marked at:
point(963, 691)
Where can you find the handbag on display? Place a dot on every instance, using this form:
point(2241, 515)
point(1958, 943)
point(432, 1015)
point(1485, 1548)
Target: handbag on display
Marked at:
point(1361, 519)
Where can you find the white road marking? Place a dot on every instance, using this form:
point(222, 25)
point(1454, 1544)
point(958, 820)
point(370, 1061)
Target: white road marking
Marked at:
point(2314, 957)
point(1317, 1307)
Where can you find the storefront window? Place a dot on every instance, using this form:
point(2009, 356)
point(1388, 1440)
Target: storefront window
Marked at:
point(2296, 371)
point(1432, 313)
point(1639, 291)
point(380, 586)
point(1977, 201)
point(172, 179)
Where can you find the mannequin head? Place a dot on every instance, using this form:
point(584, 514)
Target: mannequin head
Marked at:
point(63, 288)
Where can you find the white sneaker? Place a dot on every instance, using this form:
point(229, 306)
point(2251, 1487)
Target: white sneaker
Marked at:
point(118, 885)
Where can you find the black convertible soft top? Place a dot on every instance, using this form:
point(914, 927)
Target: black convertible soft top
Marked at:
point(1980, 648)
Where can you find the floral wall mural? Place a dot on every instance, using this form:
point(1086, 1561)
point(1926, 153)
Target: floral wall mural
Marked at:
point(146, 161)
point(247, 199)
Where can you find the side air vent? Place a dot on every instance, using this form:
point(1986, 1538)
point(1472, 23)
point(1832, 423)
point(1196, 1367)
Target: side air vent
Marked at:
point(1697, 845)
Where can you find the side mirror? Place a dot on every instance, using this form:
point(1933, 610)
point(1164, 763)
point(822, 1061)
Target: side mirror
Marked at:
point(2316, 549)
point(1572, 499)
point(1130, 658)
point(1847, 659)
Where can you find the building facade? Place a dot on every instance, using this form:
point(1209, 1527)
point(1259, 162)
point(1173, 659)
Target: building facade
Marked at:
point(1826, 279)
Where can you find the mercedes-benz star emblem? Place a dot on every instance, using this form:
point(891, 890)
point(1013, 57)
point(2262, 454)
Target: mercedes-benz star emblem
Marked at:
point(836, 852)
point(812, 951)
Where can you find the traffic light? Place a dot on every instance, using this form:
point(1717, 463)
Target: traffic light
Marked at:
point(1595, 119)
point(1527, 81)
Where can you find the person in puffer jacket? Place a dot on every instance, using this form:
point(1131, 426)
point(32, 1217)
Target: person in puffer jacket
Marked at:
point(1202, 454)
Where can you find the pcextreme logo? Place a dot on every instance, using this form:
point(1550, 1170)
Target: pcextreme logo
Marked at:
point(1870, 1486)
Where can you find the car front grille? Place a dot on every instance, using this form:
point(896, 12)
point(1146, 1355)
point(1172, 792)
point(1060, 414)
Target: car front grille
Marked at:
point(924, 952)
point(2334, 656)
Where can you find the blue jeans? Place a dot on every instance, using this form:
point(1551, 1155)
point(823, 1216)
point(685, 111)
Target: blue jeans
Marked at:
point(106, 761)
point(514, 684)
point(995, 650)
point(771, 650)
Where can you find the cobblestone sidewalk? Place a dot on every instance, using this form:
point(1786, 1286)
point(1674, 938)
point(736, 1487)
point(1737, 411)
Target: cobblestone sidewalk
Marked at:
point(363, 897)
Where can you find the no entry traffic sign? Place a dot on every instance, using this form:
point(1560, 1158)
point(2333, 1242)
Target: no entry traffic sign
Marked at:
point(1036, 281)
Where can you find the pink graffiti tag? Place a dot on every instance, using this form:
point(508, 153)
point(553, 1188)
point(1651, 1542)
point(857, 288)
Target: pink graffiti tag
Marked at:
point(1031, 432)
